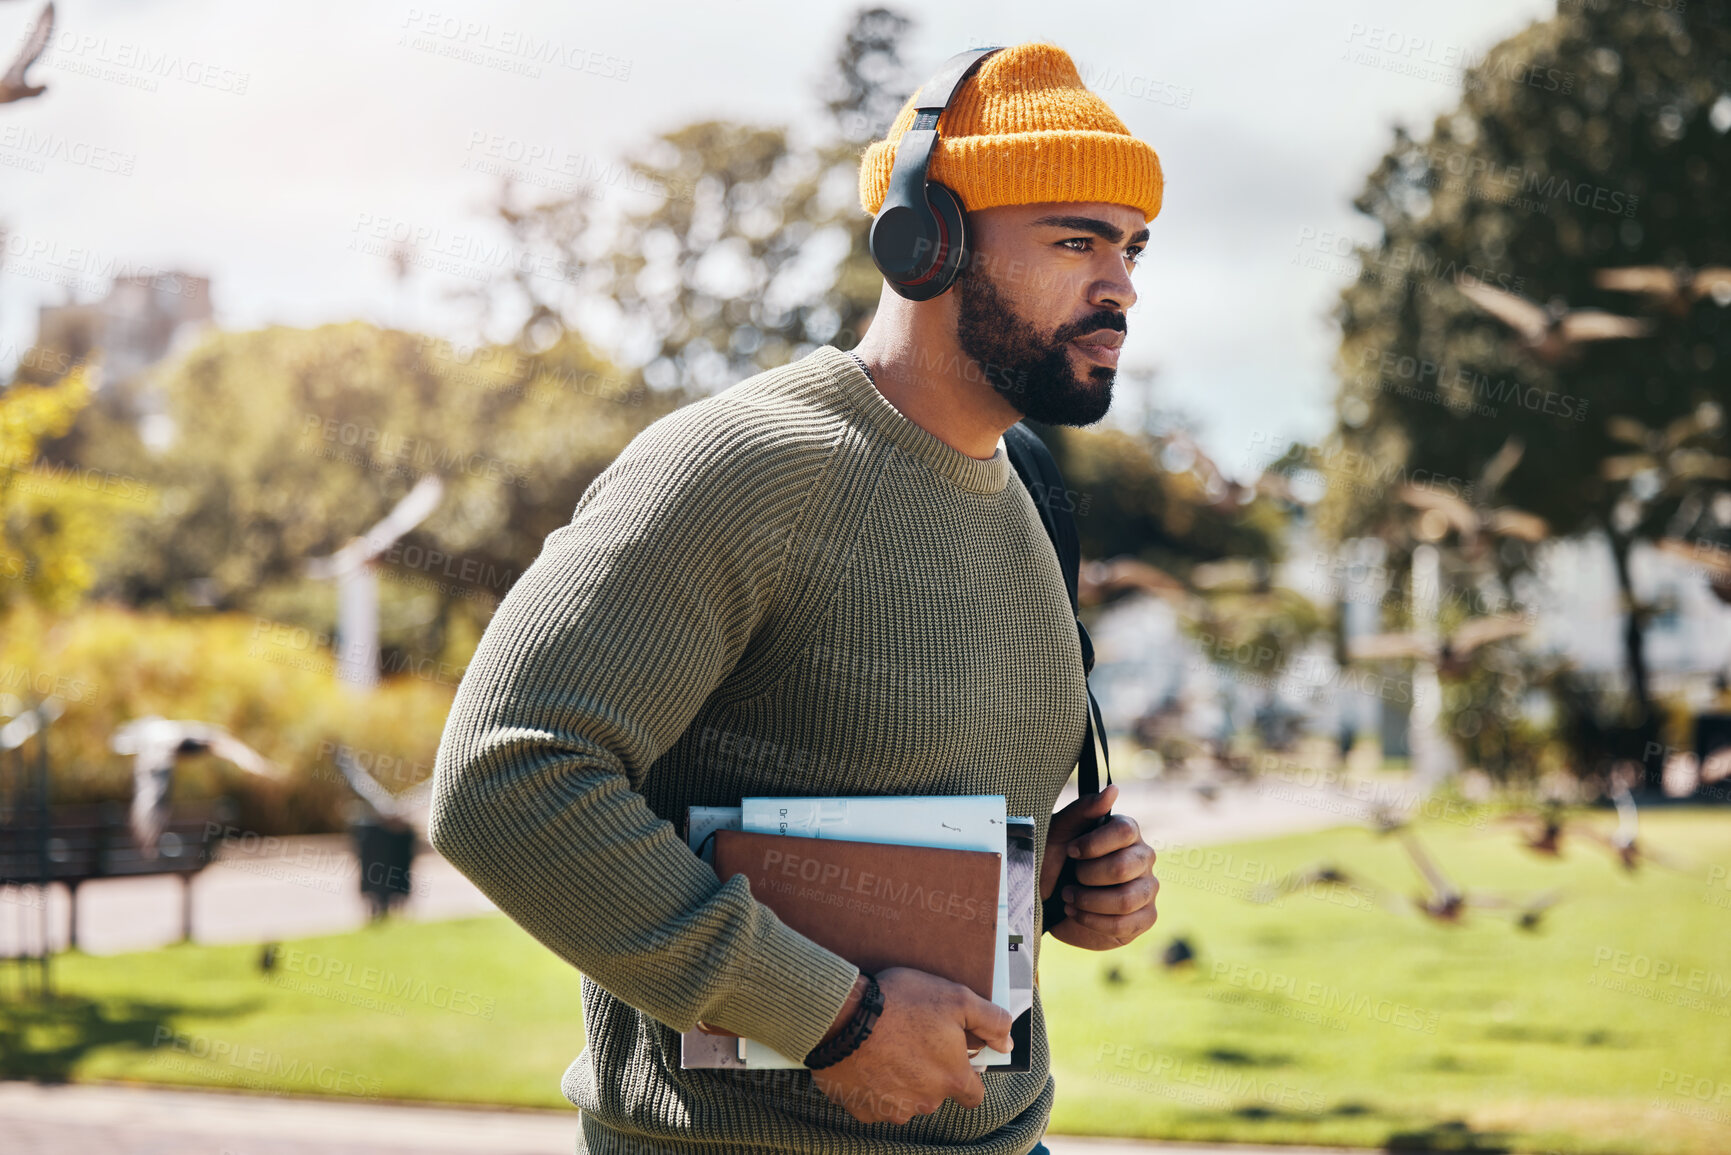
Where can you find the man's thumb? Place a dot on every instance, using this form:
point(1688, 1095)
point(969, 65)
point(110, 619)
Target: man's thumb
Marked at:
point(1078, 816)
point(988, 1021)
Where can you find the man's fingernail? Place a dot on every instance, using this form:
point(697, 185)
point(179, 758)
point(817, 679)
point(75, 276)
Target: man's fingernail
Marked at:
point(1069, 894)
point(1075, 851)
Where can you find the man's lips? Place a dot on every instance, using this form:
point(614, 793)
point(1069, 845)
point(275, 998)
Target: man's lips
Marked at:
point(1101, 346)
point(1110, 338)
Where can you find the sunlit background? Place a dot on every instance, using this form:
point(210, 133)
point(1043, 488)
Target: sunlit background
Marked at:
point(1407, 542)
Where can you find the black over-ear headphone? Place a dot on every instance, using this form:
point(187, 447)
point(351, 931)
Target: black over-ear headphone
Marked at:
point(920, 236)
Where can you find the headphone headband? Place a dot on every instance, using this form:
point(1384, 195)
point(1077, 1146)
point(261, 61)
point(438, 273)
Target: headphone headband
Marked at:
point(935, 95)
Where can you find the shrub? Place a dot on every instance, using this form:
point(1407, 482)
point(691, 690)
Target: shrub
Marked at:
point(272, 686)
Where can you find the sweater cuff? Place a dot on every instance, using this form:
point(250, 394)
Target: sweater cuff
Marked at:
point(791, 990)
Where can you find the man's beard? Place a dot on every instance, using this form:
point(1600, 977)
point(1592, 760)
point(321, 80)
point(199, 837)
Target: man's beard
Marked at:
point(1030, 371)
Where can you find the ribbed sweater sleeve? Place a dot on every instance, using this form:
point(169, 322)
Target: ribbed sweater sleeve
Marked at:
point(594, 664)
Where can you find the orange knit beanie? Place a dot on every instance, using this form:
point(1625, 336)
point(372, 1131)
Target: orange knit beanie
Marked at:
point(1023, 130)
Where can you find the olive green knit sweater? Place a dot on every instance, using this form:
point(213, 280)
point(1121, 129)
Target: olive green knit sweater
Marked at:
point(786, 588)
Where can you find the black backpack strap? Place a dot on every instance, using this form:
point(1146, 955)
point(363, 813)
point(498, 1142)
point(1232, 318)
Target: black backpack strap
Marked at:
point(1038, 470)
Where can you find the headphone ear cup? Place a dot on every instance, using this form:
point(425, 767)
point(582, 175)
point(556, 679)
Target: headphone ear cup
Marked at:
point(934, 280)
point(948, 206)
point(901, 244)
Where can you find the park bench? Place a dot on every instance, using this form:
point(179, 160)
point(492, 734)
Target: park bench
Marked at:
point(82, 842)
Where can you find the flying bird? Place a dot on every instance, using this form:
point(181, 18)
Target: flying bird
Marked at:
point(1446, 902)
point(1442, 901)
point(1553, 333)
point(1544, 831)
point(1475, 523)
point(1178, 953)
point(1710, 560)
point(1475, 527)
point(408, 808)
point(1325, 874)
point(1448, 653)
point(1675, 454)
point(1674, 289)
point(13, 86)
point(156, 745)
point(1105, 581)
point(1624, 842)
point(357, 580)
point(24, 724)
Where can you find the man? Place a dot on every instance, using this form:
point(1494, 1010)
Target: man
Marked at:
point(823, 580)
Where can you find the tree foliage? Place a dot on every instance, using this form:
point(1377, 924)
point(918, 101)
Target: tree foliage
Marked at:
point(753, 251)
point(1596, 139)
point(109, 665)
point(288, 443)
point(1159, 498)
point(52, 518)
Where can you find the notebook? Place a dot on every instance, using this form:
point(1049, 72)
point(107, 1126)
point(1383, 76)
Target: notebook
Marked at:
point(958, 821)
point(875, 904)
point(700, 1049)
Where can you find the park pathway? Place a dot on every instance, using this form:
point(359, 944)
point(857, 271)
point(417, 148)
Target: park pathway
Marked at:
point(260, 890)
point(113, 1120)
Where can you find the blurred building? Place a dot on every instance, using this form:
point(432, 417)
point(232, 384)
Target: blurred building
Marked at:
point(1578, 615)
point(141, 321)
point(1688, 639)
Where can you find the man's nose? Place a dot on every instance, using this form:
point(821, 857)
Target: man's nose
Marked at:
point(1113, 291)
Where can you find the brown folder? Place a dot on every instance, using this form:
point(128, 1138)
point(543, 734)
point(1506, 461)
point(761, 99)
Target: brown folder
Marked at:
point(877, 905)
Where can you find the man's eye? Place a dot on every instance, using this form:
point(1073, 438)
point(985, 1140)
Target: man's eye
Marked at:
point(1085, 244)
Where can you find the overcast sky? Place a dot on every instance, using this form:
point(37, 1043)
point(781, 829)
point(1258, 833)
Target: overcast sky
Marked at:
point(260, 144)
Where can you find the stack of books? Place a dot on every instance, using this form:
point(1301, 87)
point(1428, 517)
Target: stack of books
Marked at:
point(940, 882)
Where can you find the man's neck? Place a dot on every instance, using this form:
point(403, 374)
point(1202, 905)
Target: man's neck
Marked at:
point(943, 392)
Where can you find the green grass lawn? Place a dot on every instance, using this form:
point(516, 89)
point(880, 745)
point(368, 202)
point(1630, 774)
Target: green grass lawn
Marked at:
point(1322, 1018)
point(472, 1011)
point(1326, 1018)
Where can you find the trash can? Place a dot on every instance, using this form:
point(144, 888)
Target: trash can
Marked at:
point(386, 852)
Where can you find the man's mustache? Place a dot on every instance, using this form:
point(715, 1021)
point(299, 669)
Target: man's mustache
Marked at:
point(1092, 324)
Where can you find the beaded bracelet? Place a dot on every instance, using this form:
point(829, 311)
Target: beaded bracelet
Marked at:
point(858, 1028)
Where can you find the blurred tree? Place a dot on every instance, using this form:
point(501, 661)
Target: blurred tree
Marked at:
point(52, 516)
point(1158, 497)
point(290, 442)
point(1174, 525)
point(1594, 140)
point(109, 665)
point(751, 250)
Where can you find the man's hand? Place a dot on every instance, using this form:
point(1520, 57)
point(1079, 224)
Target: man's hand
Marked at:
point(1113, 901)
point(917, 1053)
